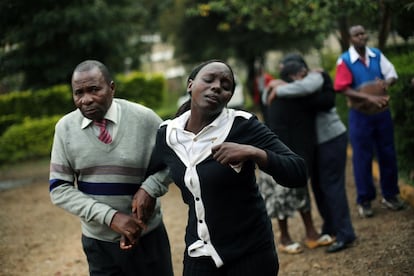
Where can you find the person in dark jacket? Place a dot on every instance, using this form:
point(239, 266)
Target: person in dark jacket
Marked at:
point(328, 174)
point(293, 119)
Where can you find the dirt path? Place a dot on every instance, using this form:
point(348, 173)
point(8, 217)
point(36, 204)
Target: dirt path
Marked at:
point(37, 238)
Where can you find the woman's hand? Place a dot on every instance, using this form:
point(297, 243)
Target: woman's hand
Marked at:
point(143, 206)
point(233, 154)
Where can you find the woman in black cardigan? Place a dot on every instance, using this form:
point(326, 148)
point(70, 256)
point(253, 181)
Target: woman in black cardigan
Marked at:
point(212, 152)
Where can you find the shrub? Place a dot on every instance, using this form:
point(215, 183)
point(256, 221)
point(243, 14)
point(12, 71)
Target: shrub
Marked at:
point(37, 103)
point(402, 105)
point(142, 88)
point(52, 101)
point(28, 118)
point(8, 120)
point(15, 102)
point(31, 139)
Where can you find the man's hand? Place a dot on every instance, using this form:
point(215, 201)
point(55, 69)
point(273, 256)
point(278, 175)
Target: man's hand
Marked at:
point(143, 206)
point(370, 98)
point(379, 101)
point(129, 228)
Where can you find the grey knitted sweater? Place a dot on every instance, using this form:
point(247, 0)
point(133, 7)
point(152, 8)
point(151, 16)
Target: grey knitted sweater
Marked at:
point(93, 180)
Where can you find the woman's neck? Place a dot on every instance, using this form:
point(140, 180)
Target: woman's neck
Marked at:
point(196, 122)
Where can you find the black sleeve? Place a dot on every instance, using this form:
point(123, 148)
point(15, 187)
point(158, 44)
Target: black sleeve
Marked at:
point(324, 98)
point(156, 163)
point(286, 167)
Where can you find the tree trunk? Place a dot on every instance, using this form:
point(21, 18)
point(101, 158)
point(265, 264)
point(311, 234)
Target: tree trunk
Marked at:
point(343, 33)
point(385, 24)
point(250, 75)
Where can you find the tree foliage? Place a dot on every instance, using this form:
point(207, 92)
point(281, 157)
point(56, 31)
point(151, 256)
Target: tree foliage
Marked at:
point(378, 16)
point(211, 27)
point(403, 19)
point(45, 39)
point(246, 29)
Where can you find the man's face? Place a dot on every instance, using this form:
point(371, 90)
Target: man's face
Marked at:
point(358, 36)
point(92, 94)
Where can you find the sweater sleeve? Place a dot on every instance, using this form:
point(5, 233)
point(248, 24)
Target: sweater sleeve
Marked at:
point(157, 184)
point(306, 86)
point(286, 167)
point(64, 194)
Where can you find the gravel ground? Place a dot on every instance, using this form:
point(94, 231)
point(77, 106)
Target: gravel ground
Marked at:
point(37, 238)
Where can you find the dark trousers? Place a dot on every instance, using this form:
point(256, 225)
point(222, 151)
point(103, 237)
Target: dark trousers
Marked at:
point(369, 134)
point(328, 184)
point(151, 257)
point(263, 263)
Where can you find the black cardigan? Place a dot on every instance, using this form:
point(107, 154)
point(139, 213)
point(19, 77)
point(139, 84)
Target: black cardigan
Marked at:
point(235, 212)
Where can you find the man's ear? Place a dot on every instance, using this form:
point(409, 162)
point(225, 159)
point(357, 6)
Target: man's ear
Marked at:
point(112, 86)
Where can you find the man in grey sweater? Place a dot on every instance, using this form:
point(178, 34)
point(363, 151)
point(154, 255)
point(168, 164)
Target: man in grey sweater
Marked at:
point(99, 159)
point(328, 175)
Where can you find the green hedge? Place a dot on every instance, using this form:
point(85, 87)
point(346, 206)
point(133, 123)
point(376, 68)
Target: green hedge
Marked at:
point(7, 121)
point(402, 106)
point(148, 90)
point(31, 139)
point(27, 118)
point(142, 88)
point(37, 103)
point(16, 106)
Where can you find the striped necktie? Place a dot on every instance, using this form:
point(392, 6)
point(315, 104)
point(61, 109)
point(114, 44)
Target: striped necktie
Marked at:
point(104, 135)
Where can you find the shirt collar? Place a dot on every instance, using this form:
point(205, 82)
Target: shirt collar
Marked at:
point(111, 115)
point(354, 56)
point(180, 122)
